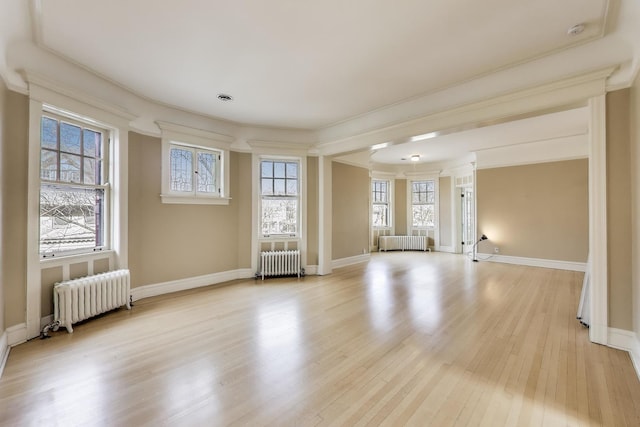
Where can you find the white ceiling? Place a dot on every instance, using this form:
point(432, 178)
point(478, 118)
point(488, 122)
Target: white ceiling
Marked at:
point(307, 65)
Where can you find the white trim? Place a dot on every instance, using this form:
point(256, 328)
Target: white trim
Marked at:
point(627, 341)
point(535, 262)
point(344, 262)
point(598, 219)
point(190, 200)
point(148, 291)
point(17, 334)
point(311, 270)
point(325, 214)
point(449, 249)
point(4, 351)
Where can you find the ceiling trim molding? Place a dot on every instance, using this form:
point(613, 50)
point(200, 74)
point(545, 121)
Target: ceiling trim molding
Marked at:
point(37, 84)
point(279, 147)
point(182, 133)
point(568, 91)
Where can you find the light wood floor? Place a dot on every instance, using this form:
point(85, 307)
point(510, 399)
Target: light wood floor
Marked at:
point(407, 339)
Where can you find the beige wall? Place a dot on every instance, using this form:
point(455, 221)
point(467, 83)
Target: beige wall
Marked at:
point(619, 209)
point(400, 208)
point(350, 210)
point(15, 149)
point(170, 242)
point(635, 198)
point(535, 211)
point(445, 211)
point(312, 210)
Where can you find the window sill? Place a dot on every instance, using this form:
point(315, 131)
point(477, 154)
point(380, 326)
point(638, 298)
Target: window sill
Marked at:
point(189, 200)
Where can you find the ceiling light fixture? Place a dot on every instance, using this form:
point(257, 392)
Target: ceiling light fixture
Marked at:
point(224, 97)
point(380, 146)
point(415, 157)
point(575, 30)
point(424, 136)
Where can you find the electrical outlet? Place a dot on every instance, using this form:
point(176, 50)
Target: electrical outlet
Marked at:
point(496, 250)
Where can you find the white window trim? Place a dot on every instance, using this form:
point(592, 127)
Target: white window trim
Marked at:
point(301, 189)
point(44, 95)
point(390, 202)
point(108, 132)
point(256, 236)
point(173, 134)
point(436, 214)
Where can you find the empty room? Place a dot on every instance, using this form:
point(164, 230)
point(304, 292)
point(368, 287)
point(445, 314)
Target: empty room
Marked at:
point(319, 213)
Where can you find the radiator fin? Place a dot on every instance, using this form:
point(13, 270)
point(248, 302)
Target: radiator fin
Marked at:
point(79, 299)
point(403, 243)
point(280, 263)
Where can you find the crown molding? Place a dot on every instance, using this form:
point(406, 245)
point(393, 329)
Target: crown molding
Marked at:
point(279, 147)
point(176, 131)
point(37, 83)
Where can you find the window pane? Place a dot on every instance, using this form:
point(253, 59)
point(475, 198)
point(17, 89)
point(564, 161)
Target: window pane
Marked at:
point(48, 165)
point(49, 133)
point(70, 168)
point(292, 187)
point(380, 216)
point(181, 170)
point(267, 186)
point(267, 169)
point(92, 142)
point(206, 172)
point(279, 216)
point(423, 216)
point(431, 186)
point(70, 138)
point(292, 170)
point(278, 170)
point(431, 197)
point(90, 171)
point(278, 187)
point(70, 218)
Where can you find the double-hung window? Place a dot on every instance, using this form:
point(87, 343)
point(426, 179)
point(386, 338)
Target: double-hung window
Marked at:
point(279, 197)
point(423, 203)
point(194, 171)
point(380, 203)
point(74, 186)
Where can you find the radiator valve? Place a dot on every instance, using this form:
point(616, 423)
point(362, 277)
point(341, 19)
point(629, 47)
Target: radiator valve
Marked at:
point(51, 326)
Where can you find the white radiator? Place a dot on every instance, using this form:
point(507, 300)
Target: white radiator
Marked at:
point(280, 263)
point(79, 299)
point(403, 243)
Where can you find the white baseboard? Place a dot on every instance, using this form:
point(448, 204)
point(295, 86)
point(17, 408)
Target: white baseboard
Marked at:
point(627, 341)
point(343, 262)
point(16, 334)
point(448, 249)
point(534, 262)
point(147, 291)
point(4, 351)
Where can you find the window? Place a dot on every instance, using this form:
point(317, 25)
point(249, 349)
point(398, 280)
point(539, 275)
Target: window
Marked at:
point(74, 187)
point(423, 201)
point(279, 193)
point(194, 171)
point(380, 203)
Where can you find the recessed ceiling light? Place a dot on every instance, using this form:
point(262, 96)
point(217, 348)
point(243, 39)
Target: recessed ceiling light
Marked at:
point(224, 97)
point(423, 136)
point(575, 30)
point(415, 157)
